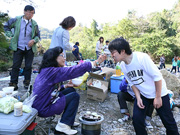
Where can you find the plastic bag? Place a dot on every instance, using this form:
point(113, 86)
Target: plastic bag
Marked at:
point(7, 104)
point(171, 95)
point(97, 84)
point(28, 103)
point(82, 86)
point(84, 77)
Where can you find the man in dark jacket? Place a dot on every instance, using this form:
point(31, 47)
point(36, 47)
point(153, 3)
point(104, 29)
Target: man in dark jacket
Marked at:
point(76, 51)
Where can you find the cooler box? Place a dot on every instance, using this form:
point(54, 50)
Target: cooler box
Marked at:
point(115, 82)
point(11, 125)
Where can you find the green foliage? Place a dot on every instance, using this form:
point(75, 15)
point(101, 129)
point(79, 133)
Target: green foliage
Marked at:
point(87, 41)
point(4, 65)
point(156, 44)
point(46, 43)
point(94, 30)
point(157, 34)
point(5, 53)
point(125, 28)
point(3, 42)
point(45, 33)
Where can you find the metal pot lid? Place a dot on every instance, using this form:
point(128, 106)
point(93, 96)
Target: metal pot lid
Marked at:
point(91, 122)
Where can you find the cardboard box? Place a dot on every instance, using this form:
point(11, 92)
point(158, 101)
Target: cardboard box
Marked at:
point(105, 74)
point(98, 94)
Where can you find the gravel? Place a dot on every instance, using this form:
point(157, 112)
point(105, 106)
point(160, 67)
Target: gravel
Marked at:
point(109, 108)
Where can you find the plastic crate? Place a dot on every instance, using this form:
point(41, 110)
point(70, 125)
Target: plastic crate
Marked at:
point(11, 125)
point(115, 82)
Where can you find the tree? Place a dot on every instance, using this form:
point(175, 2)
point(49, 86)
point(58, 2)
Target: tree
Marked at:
point(94, 29)
point(156, 44)
point(5, 54)
point(35, 3)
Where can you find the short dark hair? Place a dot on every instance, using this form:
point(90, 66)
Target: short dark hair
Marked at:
point(120, 44)
point(49, 58)
point(107, 41)
point(68, 22)
point(77, 43)
point(29, 8)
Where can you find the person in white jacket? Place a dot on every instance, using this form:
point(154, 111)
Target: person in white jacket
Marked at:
point(147, 83)
point(99, 46)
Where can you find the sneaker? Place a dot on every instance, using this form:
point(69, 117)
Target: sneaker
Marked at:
point(61, 127)
point(26, 84)
point(76, 124)
point(14, 85)
point(148, 124)
point(124, 119)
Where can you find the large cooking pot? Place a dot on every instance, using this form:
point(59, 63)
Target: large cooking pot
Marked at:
point(90, 127)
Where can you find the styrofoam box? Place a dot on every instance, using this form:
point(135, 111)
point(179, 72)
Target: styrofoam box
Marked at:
point(115, 82)
point(11, 125)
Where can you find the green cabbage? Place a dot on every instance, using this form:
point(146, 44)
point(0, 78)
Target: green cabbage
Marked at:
point(7, 104)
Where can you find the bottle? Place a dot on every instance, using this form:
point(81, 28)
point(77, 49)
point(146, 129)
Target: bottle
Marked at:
point(18, 109)
point(118, 69)
point(27, 93)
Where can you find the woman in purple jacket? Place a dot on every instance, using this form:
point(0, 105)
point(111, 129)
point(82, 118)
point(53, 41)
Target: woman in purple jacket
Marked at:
point(52, 72)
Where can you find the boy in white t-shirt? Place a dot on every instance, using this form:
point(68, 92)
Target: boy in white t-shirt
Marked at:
point(147, 83)
point(106, 50)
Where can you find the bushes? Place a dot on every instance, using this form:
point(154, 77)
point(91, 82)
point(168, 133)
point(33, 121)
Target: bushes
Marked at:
point(4, 66)
point(5, 59)
point(5, 53)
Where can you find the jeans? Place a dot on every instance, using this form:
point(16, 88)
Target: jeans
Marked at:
point(164, 112)
point(122, 98)
point(72, 103)
point(125, 96)
point(77, 57)
point(17, 61)
point(162, 65)
point(173, 68)
point(97, 54)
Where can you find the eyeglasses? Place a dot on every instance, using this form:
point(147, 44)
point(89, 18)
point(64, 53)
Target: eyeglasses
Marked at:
point(62, 55)
point(30, 12)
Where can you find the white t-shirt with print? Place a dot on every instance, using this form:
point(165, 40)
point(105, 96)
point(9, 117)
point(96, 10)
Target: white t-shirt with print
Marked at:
point(106, 50)
point(143, 73)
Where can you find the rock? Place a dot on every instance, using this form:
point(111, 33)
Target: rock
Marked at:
point(154, 113)
point(159, 123)
point(115, 122)
point(172, 82)
point(70, 56)
point(176, 109)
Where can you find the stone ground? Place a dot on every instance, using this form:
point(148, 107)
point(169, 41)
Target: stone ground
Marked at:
point(109, 108)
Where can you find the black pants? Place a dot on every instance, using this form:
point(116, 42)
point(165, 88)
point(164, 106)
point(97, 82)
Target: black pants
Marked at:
point(173, 68)
point(17, 61)
point(125, 96)
point(164, 112)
